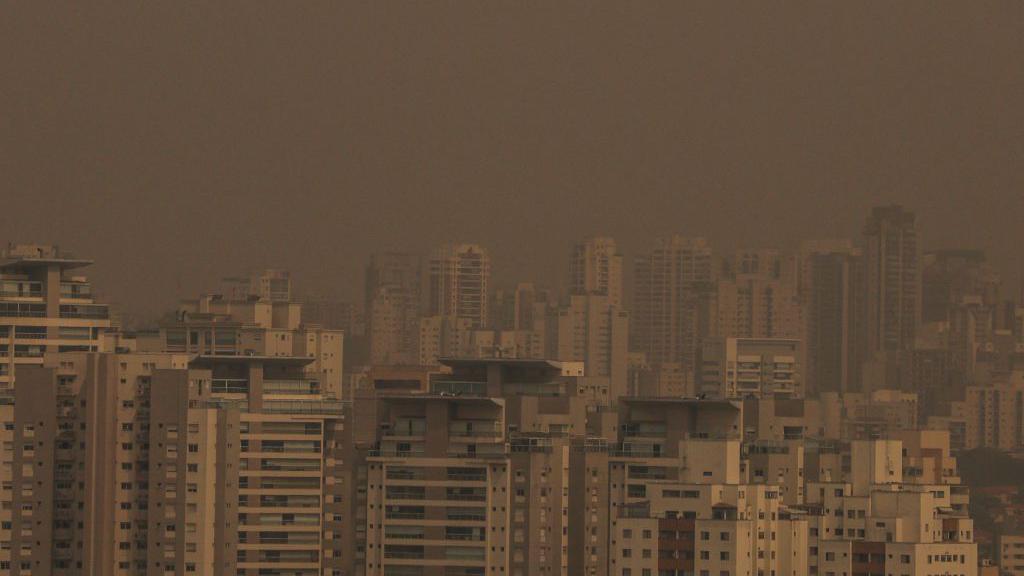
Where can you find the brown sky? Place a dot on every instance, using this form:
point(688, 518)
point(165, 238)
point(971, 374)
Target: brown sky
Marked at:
point(178, 142)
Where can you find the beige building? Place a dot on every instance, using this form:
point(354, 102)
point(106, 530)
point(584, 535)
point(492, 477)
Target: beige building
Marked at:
point(45, 307)
point(991, 416)
point(7, 514)
point(473, 477)
point(79, 472)
point(458, 283)
point(507, 344)
point(831, 291)
point(672, 285)
point(664, 493)
point(741, 367)
point(393, 291)
point(595, 267)
point(892, 273)
point(756, 297)
point(444, 336)
point(152, 463)
point(890, 506)
point(589, 329)
point(876, 414)
point(213, 325)
point(1010, 554)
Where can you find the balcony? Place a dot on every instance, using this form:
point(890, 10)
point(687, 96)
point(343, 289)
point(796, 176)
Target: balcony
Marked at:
point(292, 387)
point(322, 407)
point(485, 451)
point(84, 311)
point(229, 386)
point(459, 388)
point(644, 430)
point(476, 432)
point(22, 310)
point(75, 290)
point(21, 289)
point(394, 453)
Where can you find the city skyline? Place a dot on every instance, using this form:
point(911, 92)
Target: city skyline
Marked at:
point(342, 130)
point(568, 288)
point(503, 277)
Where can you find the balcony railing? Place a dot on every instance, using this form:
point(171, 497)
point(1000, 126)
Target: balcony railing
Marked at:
point(325, 407)
point(292, 387)
point(229, 386)
point(89, 311)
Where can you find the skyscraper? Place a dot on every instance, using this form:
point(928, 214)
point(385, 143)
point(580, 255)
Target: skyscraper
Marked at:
point(833, 300)
point(459, 282)
point(596, 268)
point(393, 307)
point(893, 279)
point(667, 314)
point(586, 328)
point(756, 297)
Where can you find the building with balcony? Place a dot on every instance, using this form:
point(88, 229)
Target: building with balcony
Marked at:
point(473, 476)
point(895, 506)
point(741, 367)
point(80, 464)
point(156, 463)
point(666, 494)
point(213, 325)
point(45, 307)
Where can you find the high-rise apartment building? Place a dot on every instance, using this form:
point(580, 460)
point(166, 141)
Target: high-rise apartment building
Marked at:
point(670, 314)
point(595, 267)
point(1010, 554)
point(892, 273)
point(473, 477)
point(80, 471)
point(990, 416)
point(45, 307)
point(214, 325)
point(760, 367)
point(271, 285)
point(664, 492)
point(832, 295)
point(458, 283)
point(521, 309)
point(444, 336)
point(756, 297)
point(896, 507)
point(157, 463)
point(392, 284)
point(588, 329)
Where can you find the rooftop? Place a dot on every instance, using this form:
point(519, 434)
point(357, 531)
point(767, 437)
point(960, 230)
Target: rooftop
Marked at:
point(21, 256)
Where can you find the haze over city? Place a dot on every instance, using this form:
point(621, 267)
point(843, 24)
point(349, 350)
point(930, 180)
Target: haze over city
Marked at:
point(512, 289)
point(306, 137)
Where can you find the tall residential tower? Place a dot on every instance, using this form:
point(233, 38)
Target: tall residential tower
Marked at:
point(459, 283)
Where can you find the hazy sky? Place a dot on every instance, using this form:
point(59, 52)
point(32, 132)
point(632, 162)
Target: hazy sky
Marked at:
point(177, 143)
